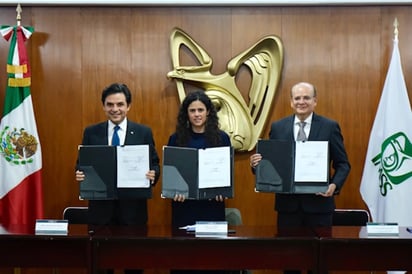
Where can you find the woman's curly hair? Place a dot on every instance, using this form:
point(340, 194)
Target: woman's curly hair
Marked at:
point(184, 128)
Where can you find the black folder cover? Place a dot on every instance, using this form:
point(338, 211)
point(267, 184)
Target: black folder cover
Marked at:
point(99, 164)
point(275, 172)
point(181, 175)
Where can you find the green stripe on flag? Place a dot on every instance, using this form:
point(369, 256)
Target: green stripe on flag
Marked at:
point(18, 85)
point(14, 97)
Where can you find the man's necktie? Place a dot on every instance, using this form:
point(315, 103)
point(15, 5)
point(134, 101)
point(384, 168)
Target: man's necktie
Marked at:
point(301, 133)
point(115, 137)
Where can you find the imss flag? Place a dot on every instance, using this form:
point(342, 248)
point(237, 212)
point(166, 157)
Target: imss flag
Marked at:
point(386, 185)
point(20, 152)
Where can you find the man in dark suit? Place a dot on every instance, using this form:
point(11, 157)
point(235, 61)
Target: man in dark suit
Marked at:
point(116, 100)
point(309, 209)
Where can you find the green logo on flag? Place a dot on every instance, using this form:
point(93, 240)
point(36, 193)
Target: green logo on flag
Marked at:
point(395, 161)
point(17, 146)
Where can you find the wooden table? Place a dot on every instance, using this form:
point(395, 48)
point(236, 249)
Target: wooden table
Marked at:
point(250, 247)
point(163, 248)
point(22, 248)
point(349, 248)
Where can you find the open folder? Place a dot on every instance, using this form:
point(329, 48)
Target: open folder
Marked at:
point(197, 173)
point(287, 167)
point(114, 172)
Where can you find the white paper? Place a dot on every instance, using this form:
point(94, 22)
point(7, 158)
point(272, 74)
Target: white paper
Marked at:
point(214, 167)
point(132, 166)
point(311, 161)
point(189, 228)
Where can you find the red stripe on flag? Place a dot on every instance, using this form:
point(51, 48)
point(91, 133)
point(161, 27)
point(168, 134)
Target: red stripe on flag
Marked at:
point(23, 204)
point(23, 59)
point(8, 34)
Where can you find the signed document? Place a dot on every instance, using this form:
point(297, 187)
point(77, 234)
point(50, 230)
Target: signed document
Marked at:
point(311, 161)
point(132, 166)
point(214, 167)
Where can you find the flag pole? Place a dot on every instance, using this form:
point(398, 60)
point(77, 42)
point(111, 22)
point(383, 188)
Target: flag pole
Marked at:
point(18, 17)
point(17, 270)
point(395, 31)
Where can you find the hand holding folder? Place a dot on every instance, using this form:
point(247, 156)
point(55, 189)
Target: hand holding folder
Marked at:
point(292, 168)
point(197, 173)
point(114, 172)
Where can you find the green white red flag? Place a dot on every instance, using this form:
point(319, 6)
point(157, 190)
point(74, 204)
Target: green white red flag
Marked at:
point(21, 198)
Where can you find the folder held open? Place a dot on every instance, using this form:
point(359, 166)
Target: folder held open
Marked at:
point(114, 172)
point(292, 168)
point(197, 173)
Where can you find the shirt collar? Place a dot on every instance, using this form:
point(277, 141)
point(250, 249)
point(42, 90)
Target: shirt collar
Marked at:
point(308, 120)
point(122, 125)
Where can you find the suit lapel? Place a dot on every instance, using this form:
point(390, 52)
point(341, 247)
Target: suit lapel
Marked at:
point(102, 134)
point(130, 133)
point(314, 128)
point(290, 127)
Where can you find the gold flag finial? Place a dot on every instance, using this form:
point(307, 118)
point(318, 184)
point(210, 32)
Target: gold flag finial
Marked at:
point(395, 31)
point(18, 17)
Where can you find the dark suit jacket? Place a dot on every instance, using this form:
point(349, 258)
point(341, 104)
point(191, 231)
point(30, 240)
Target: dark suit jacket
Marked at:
point(322, 129)
point(130, 211)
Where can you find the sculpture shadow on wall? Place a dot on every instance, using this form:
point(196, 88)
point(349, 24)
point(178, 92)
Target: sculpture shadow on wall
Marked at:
point(242, 115)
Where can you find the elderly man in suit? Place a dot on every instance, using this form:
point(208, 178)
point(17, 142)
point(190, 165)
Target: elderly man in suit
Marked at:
point(309, 209)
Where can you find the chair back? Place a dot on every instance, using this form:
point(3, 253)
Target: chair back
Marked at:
point(76, 214)
point(350, 217)
point(233, 216)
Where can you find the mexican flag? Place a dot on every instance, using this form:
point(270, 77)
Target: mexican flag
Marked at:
point(386, 185)
point(21, 198)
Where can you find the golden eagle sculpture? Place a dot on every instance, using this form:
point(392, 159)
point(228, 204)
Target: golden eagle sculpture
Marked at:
point(242, 118)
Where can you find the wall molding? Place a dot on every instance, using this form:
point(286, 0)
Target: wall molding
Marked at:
point(206, 2)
